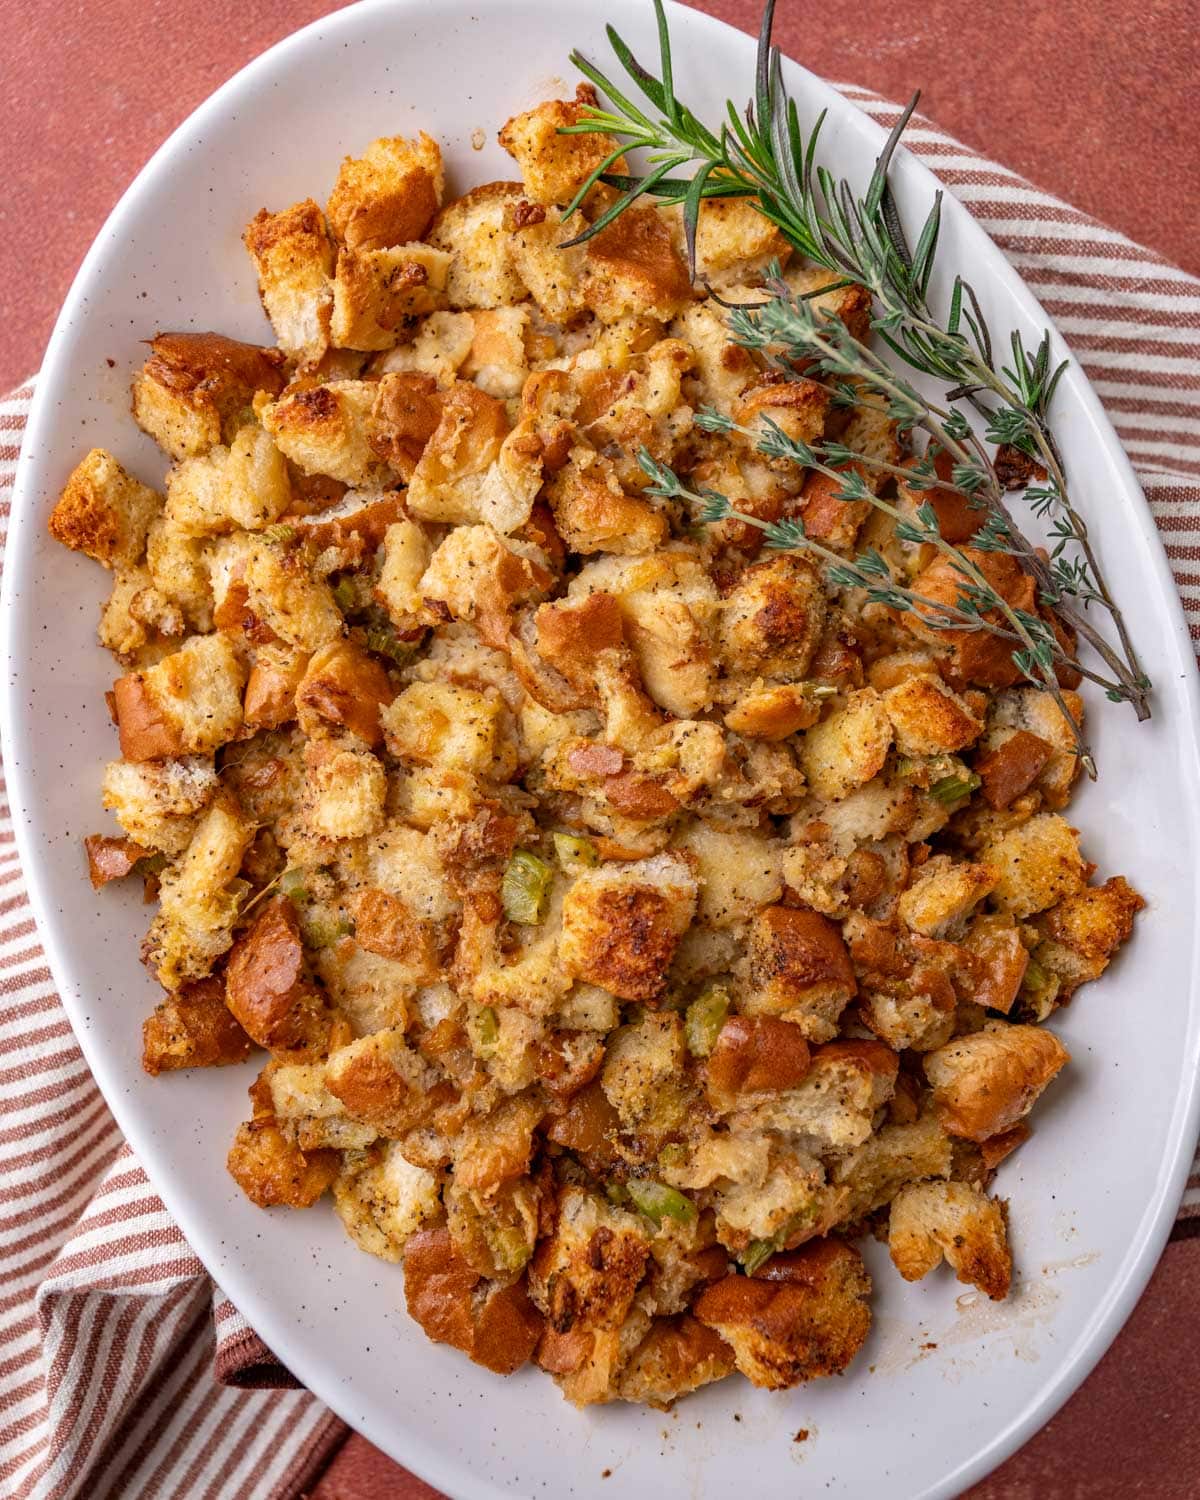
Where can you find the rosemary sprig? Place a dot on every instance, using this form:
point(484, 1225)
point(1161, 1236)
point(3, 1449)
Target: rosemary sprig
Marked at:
point(762, 154)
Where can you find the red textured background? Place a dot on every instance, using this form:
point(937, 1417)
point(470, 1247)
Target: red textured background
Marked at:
point(1092, 99)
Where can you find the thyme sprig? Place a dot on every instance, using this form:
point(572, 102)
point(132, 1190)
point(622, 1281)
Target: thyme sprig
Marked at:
point(763, 155)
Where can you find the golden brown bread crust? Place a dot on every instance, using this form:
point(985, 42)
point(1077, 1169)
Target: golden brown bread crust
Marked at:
point(104, 512)
point(383, 924)
point(1012, 768)
point(144, 730)
point(389, 195)
point(497, 1326)
point(984, 1083)
point(271, 688)
point(803, 1315)
point(635, 268)
point(755, 1054)
point(193, 1028)
point(268, 988)
point(343, 685)
point(111, 858)
point(273, 1172)
point(799, 968)
point(957, 1220)
point(406, 414)
point(999, 960)
point(677, 1356)
point(976, 656)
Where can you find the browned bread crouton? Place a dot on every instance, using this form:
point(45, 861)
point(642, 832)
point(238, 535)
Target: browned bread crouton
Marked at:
point(677, 1356)
point(156, 802)
point(930, 718)
point(804, 1315)
point(852, 304)
point(634, 269)
point(643, 1077)
point(836, 1100)
point(196, 389)
point(389, 195)
point(496, 1325)
point(585, 1274)
point(554, 166)
point(1082, 932)
point(895, 1155)
point(984, 1083)
point(104, 512)
point(848, 747)
point(193, 1028)
point(345, 789)
point(1038, 864)
point(1012, 768)
point(374, 291)
point(327, 429)
point(383, 1199)
point(293, 255)
point(998, 961)
point(735, 241)
point(480, 577)
point(799, 408)
point(496, 1147)
point(754, 1055)
point(799, 969)
point(773, 618)
point(407, 410)
point(943, 893)
point(272, 1172)
point(346, 686)
point(930, 1220)
point(270, 699)
point(473, 229)
point(111, 858)
point(386, 925)
point(191, 701)
point(977, 657)
point(243, 485)
point(621, 925)
point(594, 514)
point(269, 990)
point(383, 1081)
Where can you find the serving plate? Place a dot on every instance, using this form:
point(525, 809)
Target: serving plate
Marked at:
point(947, 1385)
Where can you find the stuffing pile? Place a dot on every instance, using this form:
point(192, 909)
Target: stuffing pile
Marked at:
point(631, 920)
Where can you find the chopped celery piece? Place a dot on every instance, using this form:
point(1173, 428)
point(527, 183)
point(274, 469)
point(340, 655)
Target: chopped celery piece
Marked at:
point(617, 1194)
point(511, 1249)
point(952, 789)
point(705, 1017)
point(345, 594)
point(673, 1154)
point(280, 533)
point(575, 851)
point(291, 885)
point(757, 1253)
point(383, 640)
point(659, 1202)
point(525, 888)
point(488, 1028)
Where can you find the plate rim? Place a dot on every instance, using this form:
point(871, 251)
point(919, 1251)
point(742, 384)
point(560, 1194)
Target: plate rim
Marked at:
point(438, 1464)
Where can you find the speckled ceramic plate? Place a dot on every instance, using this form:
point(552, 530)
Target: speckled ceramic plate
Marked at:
point(947, 1386)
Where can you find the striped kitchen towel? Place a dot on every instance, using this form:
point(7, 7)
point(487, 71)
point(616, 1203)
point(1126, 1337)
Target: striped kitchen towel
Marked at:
point(123, 1370)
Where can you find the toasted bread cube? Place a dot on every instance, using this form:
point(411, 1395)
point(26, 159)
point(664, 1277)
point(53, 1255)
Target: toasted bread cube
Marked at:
point(930, 1220)
point(245, 485)
point(735, 242)
point(773, 618)
point(571, 1282)
point(439, 349)
point(799, 969)
point(137, 612)
point(406, 555)
point(472, 228)
point(481, 577)
point(389, 928)
point(271, 687)
point(594, 514)
point(848, 747)
point(1038, 863)
point(799, 408)
point(294, 603)
point(327, 430)
point(1035, 712)
point(179, 567)
point(1082, 932)
point(389, 195)
point(621, 925)
point(375, 290)
point(197, 389)
point(852, 304)
point(887, 1160)
point(104, 512)
point(643, 1070)
point(383, 1081)
point(738, 870)
point(308, 1113)
point(943, 894)
point(804, 1315)
point(197, 906)
point(984, 1083)
point(293, 255)
point(269, 990)
point(344, 686)
point(443, 724)
point(754, 1056)
point(111, 858)
point(496, 1325)
point(156, 802)
point(497, 360)
point(553, 166)
point(495, 1148)
point(836, 1099)
point(930, 718)
point(676, 1357)
point(634, 269)
point(190, 702)
point(554, 272)
point(383, 1202)
point(193, 1028)
point(473, 470)
point(407, 410)
point(723, 369)
point(272, 1172)
point(346, 787)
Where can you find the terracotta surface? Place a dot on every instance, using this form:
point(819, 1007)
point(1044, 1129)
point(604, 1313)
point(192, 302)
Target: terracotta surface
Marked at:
point(1090, 100)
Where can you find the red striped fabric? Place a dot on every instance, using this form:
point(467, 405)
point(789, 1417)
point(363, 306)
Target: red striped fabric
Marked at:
point(123, 1370)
